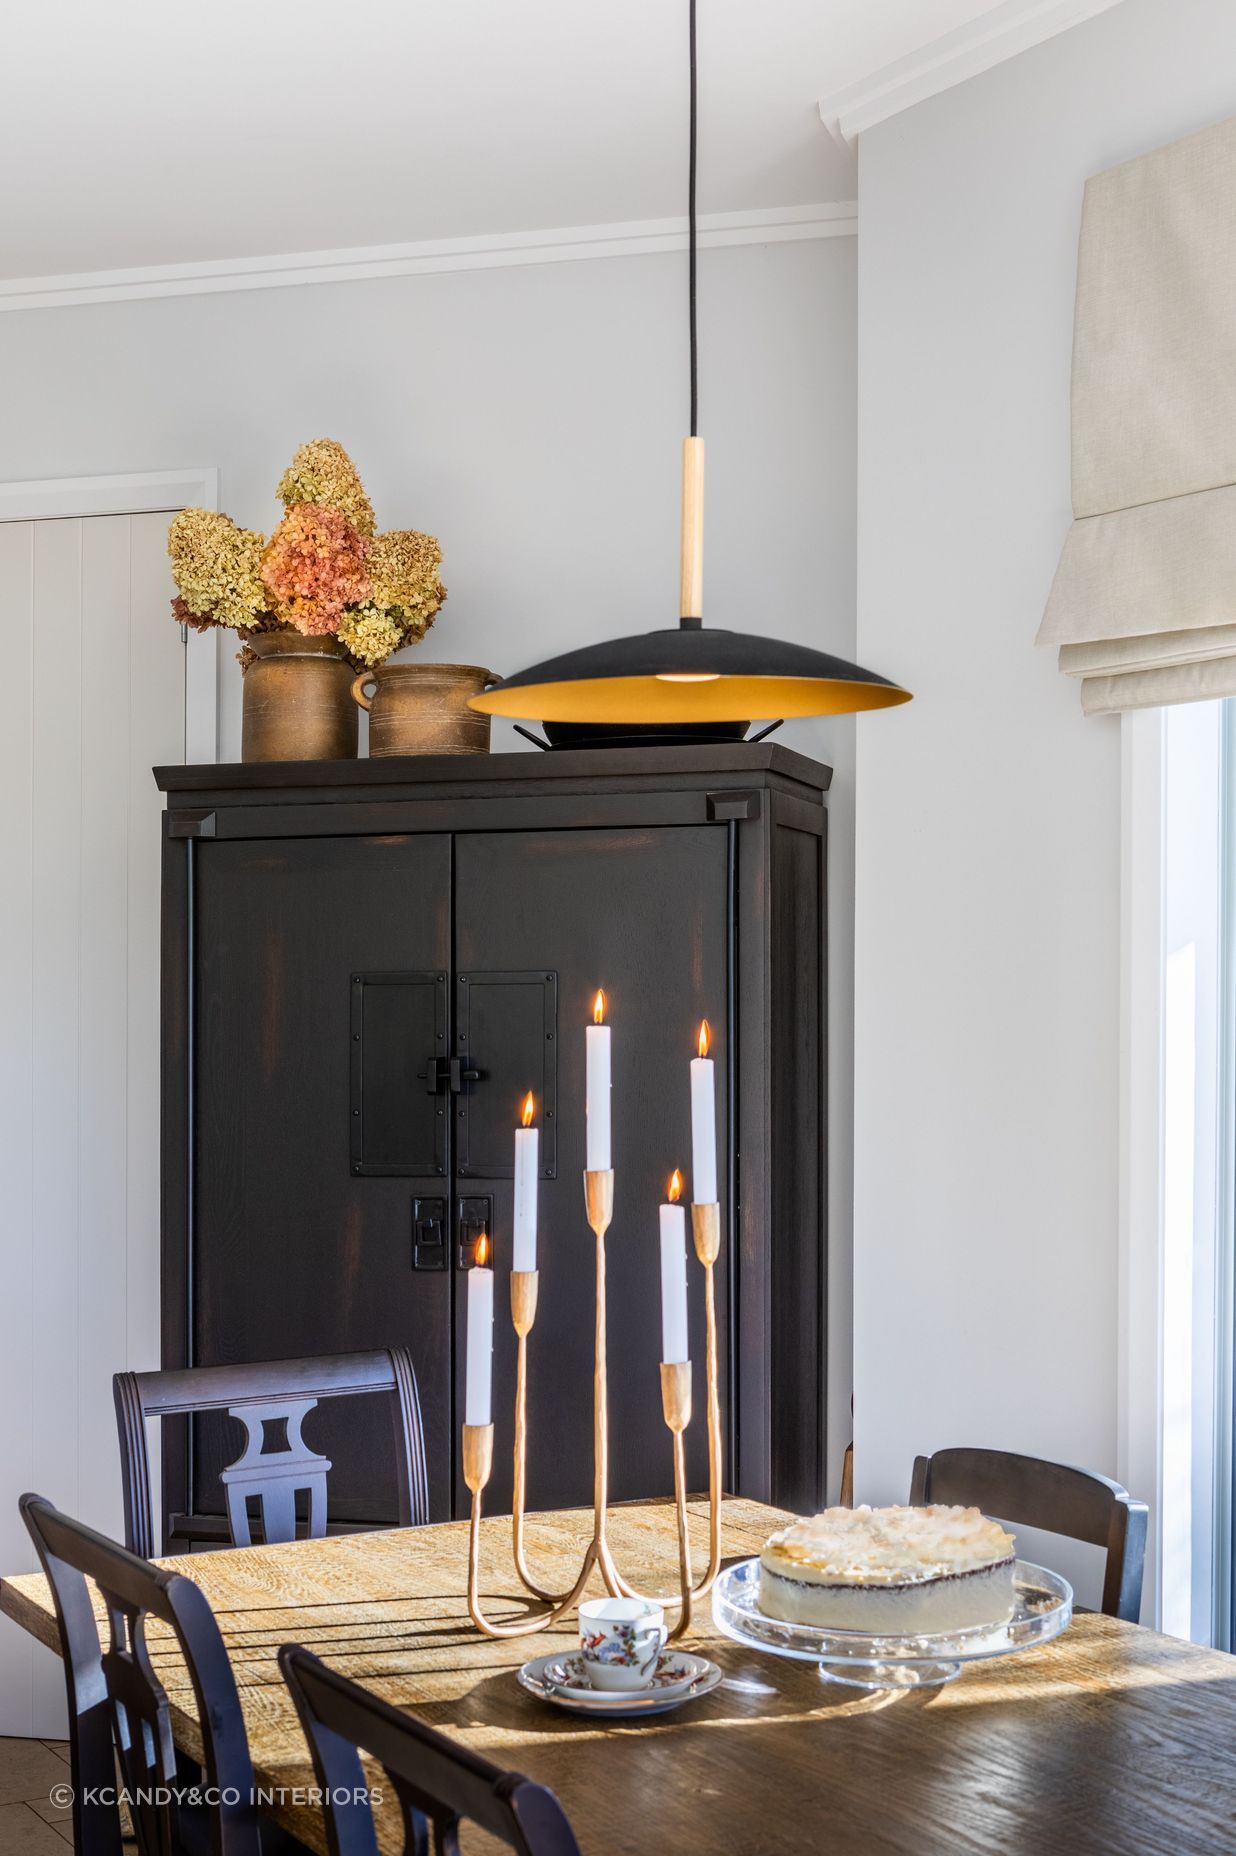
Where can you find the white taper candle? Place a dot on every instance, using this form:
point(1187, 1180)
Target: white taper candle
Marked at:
point(703, 1124)
point(599, 1158)
point(674, 1345)
point(527, 1160)
point(478, 1398)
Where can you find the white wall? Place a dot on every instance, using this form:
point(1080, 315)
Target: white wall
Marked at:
point(93, 690)
point(531, 418)
point(988, 827)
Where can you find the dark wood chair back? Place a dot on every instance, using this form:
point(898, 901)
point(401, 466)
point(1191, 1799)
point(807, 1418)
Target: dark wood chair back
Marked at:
point(279, 1393)
point(438, 1783)
point(1030, 1492)
point(117, 1700)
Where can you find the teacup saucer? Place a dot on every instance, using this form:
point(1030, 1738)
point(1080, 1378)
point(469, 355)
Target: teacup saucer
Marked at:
point(562, 1680)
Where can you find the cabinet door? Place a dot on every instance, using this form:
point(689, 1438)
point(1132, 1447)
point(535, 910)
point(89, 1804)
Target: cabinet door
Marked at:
point(321, 995)
point(643, 915)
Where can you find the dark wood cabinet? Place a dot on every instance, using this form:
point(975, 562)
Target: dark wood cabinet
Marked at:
point(365, 967)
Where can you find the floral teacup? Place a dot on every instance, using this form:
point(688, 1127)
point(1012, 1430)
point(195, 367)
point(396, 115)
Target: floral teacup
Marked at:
point(620, 1640)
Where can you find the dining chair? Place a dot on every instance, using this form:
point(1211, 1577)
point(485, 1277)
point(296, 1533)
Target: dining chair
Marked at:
point(278, 1393)
point(437, 1782)
point(118, 1708)
point(1031, 1492)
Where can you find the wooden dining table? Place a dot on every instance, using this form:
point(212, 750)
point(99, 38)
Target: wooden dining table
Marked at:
point(1111, 1739)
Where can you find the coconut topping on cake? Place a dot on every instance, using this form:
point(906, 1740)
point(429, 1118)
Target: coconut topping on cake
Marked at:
point(890, 1546)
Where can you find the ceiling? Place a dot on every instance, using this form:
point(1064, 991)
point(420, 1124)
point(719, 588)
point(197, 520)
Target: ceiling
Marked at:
point(144, 132)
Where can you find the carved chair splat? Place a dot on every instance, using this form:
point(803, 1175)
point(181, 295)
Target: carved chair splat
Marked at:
point(271, 1398)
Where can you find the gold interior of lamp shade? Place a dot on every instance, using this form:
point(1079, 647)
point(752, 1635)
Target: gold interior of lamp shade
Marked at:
point(655, 699)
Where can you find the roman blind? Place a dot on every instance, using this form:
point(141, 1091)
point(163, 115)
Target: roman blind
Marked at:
point(1143, 605)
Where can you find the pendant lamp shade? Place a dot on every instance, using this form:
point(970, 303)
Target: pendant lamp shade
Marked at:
point(689, 674)
point(692, 675)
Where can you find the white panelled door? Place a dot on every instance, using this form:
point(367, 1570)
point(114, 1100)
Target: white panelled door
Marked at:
point(92, 695)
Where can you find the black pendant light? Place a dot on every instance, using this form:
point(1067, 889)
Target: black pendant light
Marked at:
point(691, 682)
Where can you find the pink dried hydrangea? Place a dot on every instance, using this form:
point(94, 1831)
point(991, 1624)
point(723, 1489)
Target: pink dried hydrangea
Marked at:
point(313, 566)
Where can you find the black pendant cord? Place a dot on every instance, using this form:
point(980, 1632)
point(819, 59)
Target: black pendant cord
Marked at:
point(691, 240)
point(672, 678)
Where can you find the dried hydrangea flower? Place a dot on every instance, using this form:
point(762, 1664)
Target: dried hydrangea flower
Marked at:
point(369, 634)
point(403, 568)
point(184, 614)
point(314, 566)
point(322, 472)
point(217, 568)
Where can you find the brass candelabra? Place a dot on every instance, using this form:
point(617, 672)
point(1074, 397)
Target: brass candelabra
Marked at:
point(478, 1442)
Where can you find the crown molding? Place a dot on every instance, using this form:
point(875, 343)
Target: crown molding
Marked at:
point(763, 226)
point(989, 40)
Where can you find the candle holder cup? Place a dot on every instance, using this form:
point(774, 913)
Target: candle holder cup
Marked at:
point(676, 1407)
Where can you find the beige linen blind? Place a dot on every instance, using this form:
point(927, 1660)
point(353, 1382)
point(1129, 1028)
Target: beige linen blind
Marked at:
point(1143, 605)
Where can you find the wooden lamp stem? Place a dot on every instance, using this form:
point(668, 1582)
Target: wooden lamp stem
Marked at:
point(692, 606)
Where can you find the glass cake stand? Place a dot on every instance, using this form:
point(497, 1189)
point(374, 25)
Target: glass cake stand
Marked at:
point(1042, 1608)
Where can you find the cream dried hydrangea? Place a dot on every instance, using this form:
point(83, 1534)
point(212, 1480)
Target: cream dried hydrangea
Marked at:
point(369, 634)
point(217, 568)
point(322, 472)
point(402, 565)
point(324, 570)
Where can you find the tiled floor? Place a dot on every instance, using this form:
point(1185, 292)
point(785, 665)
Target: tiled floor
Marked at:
point(30, 1824)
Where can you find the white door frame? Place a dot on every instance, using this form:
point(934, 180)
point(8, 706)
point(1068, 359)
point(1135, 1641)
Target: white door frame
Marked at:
point(1139, 1456)
point(1189, 1548)
point(129, 493)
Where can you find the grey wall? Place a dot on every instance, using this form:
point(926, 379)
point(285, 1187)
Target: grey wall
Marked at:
point(988, 927)
point(532, 419)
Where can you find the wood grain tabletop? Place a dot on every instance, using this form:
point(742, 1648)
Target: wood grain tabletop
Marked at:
point(1111, 1740)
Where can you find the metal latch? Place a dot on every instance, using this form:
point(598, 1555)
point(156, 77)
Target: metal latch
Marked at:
point(447, 1076)
point(429, 1234)
point(473, 1221)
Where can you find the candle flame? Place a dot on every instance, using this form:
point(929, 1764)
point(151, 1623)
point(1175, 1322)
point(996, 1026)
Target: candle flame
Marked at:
point(482, 1250)
point(705, 1038)
point(528, 1107)
point(598, 1008)
point(675, 1187)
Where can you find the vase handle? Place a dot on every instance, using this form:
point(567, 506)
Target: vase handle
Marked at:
point(358, 689)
